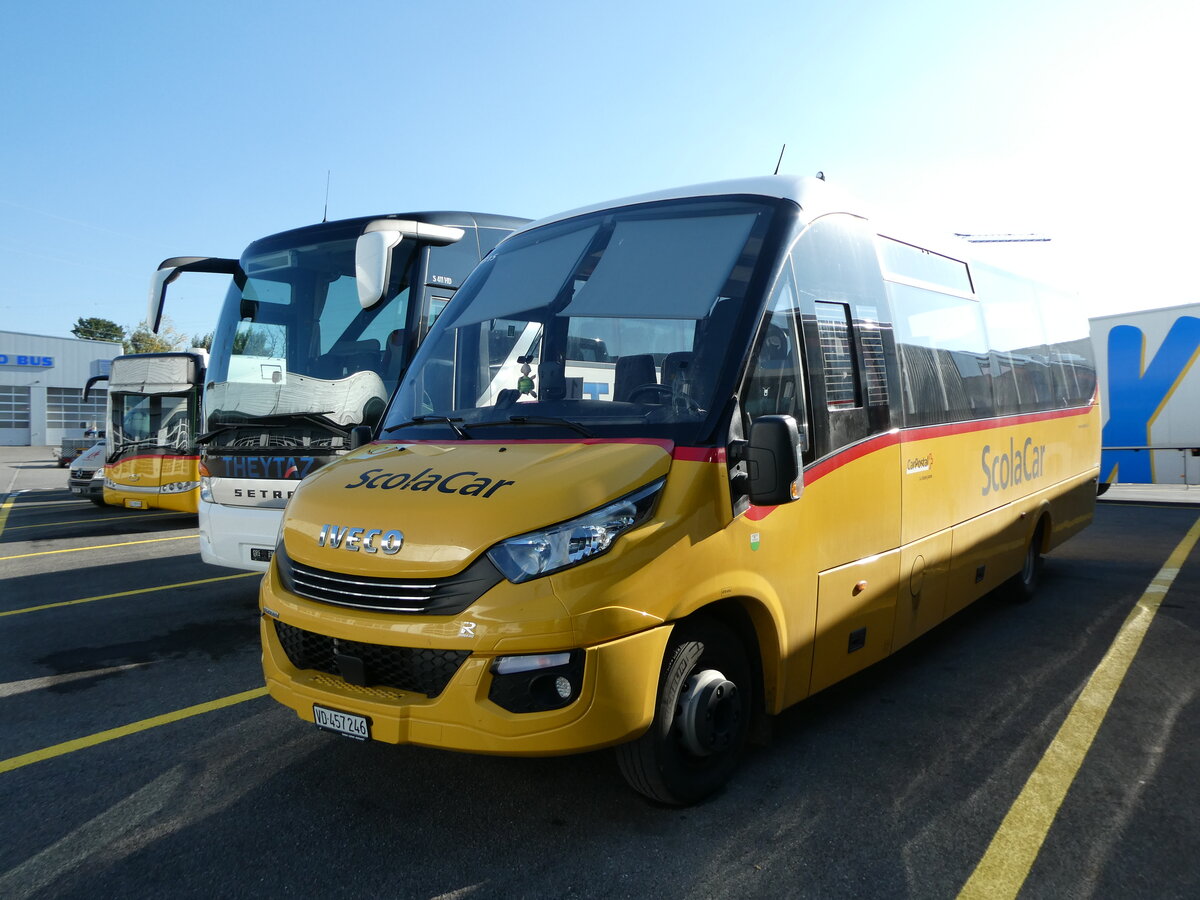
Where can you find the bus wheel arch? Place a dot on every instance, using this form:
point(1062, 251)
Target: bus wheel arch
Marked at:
point(709, 692)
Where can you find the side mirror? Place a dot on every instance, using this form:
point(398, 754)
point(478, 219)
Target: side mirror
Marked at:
point(87, 388)
point(773, 461)
point(373, 252)
point(373, 264)
point(170, 269)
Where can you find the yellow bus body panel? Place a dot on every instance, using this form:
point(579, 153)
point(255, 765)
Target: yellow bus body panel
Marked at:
point(889, 538)
point(154, 482)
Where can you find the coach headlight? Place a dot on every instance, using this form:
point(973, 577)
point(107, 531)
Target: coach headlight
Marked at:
point(575, 541)
point(206, 493)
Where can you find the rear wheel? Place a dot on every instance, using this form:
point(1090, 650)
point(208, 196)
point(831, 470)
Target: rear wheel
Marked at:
point(701, 721)
point(1023, 585)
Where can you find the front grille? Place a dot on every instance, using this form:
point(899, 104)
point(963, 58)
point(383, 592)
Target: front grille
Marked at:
point(416, 669)
point(441, 596)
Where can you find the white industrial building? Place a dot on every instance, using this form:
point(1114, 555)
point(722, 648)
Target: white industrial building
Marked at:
point(41, 385)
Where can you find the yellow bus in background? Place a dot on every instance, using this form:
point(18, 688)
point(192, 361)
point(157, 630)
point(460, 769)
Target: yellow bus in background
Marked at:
point(669, 465)
point(152, 460)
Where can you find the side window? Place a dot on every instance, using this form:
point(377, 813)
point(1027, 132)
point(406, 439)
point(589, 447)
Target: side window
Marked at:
point(775, 379)
point(1071, 363)
point(1021, 380)
point(837, 354)
point(944, 362)
point(847, 332)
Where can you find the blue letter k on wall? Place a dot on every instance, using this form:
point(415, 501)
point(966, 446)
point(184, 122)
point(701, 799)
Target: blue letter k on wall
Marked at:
point(1136, 397)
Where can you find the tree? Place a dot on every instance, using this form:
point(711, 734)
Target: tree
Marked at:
point(92, 328)
point(203, 340)
point(143, 340)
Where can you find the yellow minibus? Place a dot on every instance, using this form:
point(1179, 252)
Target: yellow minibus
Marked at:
point(669, 465)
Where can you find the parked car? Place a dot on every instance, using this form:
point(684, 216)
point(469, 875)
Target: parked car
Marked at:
point(87, 474)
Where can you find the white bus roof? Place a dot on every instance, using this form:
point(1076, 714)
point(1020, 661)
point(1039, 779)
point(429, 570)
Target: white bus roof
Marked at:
point(813, 196)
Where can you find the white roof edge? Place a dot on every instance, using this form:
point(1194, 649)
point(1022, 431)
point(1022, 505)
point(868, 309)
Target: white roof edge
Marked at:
point(813, 196)
point(1147, 311)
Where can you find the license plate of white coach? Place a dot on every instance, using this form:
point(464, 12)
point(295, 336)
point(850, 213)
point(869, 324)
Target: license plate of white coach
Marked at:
point(348, 724)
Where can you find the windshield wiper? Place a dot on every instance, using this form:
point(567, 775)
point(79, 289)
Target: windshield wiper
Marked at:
point(455, 423)
point(537, 420)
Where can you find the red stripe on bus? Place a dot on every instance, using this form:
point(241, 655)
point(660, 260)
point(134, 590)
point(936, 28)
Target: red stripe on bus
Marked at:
point(699, 454)
point(926, 432)
point(125, 459)
point(649, 442)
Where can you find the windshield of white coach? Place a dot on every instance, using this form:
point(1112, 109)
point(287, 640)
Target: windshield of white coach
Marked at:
point(624, 322)
point(293, 339)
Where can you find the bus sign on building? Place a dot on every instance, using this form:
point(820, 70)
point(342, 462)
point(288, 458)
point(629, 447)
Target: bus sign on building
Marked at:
point(25, 361)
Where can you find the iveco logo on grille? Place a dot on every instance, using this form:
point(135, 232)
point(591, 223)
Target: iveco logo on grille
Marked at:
point(366, 540)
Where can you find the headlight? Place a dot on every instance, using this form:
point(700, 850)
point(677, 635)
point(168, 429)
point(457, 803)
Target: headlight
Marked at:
point(571, 543)
point(206, 494)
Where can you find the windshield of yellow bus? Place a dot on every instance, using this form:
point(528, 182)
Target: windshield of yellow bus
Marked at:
point(617, 322)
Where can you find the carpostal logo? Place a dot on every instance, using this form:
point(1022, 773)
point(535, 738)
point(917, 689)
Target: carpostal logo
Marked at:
point(918, 464)
point(468, 484)
point(1012, 467)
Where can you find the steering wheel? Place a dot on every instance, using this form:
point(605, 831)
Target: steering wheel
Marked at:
point(670, 396)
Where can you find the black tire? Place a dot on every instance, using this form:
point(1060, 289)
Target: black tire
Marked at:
point(1102, 488)
point(701, 722)
point(1022, 586)
point(99, 501)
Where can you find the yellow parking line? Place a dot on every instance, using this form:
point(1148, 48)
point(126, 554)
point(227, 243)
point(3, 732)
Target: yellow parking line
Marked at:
point(77, 501)
point(16, 762)
point(149, 590)
point(4, 513)
point(1011, 854)
point(127, 518)
point(182, 537)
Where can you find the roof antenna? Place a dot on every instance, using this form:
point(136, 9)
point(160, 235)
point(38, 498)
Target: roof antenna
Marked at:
point(777, 164)
point(325, 215)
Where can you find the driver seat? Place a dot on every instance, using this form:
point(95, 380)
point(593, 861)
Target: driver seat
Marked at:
point(632, 372)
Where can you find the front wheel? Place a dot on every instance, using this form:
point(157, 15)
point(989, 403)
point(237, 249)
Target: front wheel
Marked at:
point(705, 699)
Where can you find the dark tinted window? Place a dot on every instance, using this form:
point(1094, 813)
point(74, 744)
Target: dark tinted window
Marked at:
point(944, 360)
point(1021, 377)
point(1072, 365)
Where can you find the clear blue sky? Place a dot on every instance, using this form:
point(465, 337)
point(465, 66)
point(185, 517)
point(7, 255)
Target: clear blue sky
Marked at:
point(135, 131)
